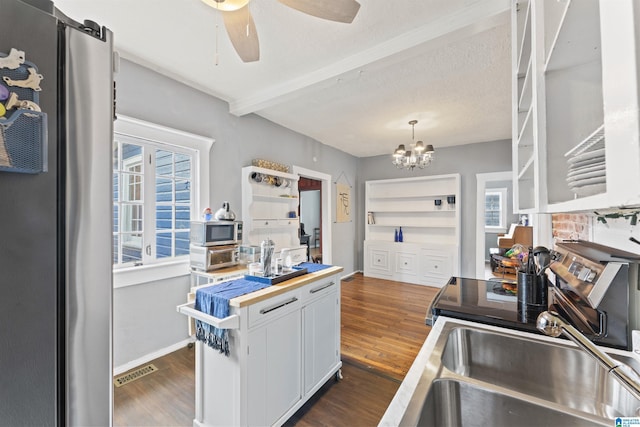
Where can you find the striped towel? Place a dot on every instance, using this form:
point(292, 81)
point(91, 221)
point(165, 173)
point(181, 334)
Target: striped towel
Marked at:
point(214, 301)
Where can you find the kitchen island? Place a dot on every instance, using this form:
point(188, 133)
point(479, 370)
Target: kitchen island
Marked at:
point(284, 345)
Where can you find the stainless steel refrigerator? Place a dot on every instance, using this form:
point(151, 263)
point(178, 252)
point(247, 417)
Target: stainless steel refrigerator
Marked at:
point(55, 222)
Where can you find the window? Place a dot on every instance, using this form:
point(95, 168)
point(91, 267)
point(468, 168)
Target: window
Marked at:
point(159, 177)
point(495, 210)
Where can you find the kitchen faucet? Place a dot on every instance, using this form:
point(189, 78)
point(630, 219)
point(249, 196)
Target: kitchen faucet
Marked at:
point(550, 323)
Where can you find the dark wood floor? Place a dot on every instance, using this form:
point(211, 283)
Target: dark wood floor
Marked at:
point(382, 331)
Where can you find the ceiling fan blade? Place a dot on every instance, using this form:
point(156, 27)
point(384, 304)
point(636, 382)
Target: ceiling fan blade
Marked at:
point(333, 10)
point(242, 32)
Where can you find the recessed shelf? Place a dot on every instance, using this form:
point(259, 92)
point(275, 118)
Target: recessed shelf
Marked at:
point(525, 95)
point(577, 40)
point(524, 39)
point(526, 172)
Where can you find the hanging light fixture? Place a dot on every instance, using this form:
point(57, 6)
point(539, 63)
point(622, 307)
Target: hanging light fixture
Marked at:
point(419, 154)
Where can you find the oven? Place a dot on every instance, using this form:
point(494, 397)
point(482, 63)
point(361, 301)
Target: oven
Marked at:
point(207, 258)
point(593, 287)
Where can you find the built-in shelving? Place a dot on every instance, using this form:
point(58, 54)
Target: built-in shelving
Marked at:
point(428, 210)
point(270, 207)
point(583, 76)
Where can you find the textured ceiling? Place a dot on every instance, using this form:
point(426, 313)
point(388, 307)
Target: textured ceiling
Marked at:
point(445, 63)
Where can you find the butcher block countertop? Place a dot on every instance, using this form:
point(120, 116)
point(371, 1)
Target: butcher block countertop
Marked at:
point(280, 288)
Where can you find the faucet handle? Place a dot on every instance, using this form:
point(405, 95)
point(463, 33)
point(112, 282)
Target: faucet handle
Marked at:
point(549, 323)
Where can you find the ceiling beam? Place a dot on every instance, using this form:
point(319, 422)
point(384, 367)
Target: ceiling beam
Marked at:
point(478, 17)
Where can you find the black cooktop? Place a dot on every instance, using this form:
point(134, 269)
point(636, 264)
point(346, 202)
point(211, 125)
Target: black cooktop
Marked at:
point(484, 301)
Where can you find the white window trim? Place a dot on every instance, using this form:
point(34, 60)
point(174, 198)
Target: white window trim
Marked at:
point(152, 132)
point(503, 210)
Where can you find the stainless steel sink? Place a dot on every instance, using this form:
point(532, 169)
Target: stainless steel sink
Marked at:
point(479, 376)
point(459, 403)
point(565, 375)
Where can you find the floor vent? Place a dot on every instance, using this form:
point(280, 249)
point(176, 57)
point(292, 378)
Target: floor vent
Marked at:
point(347, 279)
point(134, 375)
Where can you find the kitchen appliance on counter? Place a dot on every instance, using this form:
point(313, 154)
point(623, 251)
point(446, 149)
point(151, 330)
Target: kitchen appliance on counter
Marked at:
point(56, 312)
point(216, 233)
point(208, 258)
point(594, 287)
point(215, 244)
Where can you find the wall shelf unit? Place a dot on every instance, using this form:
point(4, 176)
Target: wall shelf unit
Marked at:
point(430, 251)
point(577, 146)
point(270, 207)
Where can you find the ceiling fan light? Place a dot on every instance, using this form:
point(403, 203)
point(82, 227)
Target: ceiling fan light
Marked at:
point(226, 5)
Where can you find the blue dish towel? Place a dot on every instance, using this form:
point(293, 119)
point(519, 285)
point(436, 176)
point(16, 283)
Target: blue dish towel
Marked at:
point(311, 267)
point(214, 300)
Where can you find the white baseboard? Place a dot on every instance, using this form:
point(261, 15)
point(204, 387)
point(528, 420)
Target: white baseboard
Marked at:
point(350, 275)
point(151, 356)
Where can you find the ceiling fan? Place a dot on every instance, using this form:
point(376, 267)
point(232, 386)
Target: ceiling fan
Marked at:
point(242, 30)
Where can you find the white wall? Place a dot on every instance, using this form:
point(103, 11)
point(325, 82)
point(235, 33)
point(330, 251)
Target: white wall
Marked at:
point(616, 234)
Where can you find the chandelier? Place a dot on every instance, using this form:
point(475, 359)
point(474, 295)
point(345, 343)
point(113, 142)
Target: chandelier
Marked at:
point(419, 155)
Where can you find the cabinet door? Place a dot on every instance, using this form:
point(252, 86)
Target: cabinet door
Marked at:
point(377, 261)
point(321, 340)
point(273, 369)
point(406, 265)
point(435, 267)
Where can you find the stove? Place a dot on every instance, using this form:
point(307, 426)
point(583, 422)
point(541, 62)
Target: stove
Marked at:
point(483, 301)
point(593, 287)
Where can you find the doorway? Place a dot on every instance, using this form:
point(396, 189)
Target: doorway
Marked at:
point(484, 239)
point(315, 205)
point(311, 215)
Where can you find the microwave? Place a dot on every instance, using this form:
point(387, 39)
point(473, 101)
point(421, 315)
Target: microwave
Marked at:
point(207, 258)
point(215, 233)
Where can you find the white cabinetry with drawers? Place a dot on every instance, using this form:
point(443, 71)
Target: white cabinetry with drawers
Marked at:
point(285, 344)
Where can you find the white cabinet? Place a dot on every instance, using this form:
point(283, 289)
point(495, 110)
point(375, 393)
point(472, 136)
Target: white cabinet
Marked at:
point(435, 266)
point(419, 263)
point(273, 367)
point(378, 257)
point(428, 210)
point(321, 321)
point(576, 122)
point(270, 207)
point(283, 350)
